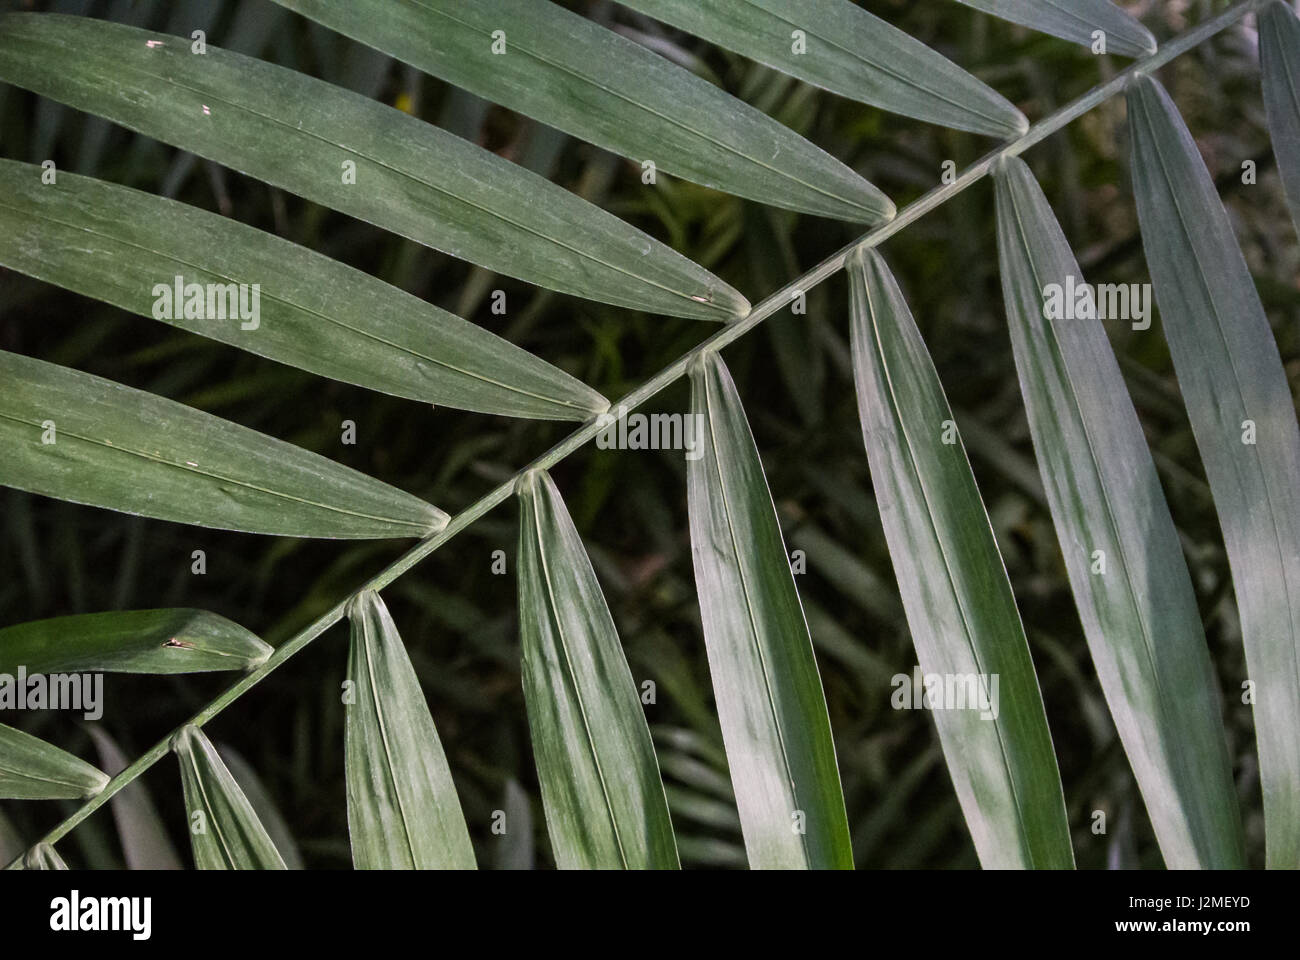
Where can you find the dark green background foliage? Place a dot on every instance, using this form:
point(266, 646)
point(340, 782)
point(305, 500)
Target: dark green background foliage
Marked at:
point(459, 620)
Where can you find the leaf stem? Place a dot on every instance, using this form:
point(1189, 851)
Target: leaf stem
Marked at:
point(668, 375)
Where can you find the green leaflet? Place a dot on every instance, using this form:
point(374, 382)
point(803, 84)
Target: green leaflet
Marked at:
point(78, 437)
point(769, 694)
point(1075, 20)
point(126, 247)
point(402, 807)
point(1279, 56)
point(1140, 615)
point(301, 134)
point(601, 791)
point(954, 587)
point(131, 641)
point(571, 73)
point(42, 857)
point(31, 769)
point(224, 831)
point(850, 52)
point(145, 844)
point(1240, 407)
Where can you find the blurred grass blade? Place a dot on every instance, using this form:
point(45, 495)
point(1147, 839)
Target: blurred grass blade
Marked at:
point(1076, 20)
point(1244, 421)
point(1139, 614)
point(515, 850)
point(267, 812)
point(601, 790)
point(954, 587)
point(131, 641)
point(42, 857)
point(11, 841)
point(31, 769)
point(145, 844)
point(573, 74)
point(769, 694)
point(403, 812)
point(78, 437)
point(312, 138)
point(848, 51)
point(1279, 56)
point(224, 830)
point(127, 248)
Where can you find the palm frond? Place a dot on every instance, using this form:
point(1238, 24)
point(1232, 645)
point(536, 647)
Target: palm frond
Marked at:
point(751, 777)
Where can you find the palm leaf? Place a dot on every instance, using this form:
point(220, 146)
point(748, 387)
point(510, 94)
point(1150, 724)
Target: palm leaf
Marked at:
point(1075, 20)
point(298, 133)
point(954, 587)
point(31, 769)
point(121, 448)
point(1140, 615)
point(131, 641)
point(1279, 57)
point(224, 831)
point(849, 52)
point(572, 74)
point(601, 791)
point(402, 806)
point(769, 694)
point(126, 248)
point(1244, 421)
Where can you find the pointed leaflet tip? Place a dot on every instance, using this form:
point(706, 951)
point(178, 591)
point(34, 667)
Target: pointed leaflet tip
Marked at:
point(422, 182)
point(580, 77)
point(131, 641)
point(848, 51)
point(1078, 21)
point(31, 769)
point(132, 451)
